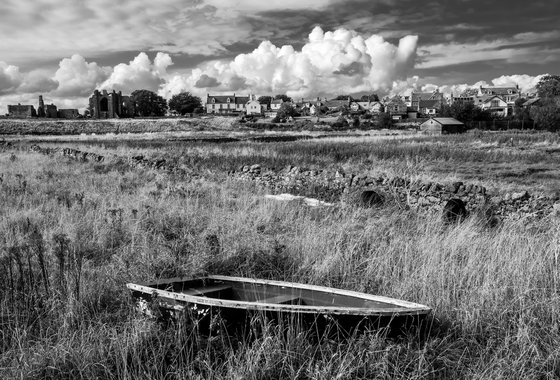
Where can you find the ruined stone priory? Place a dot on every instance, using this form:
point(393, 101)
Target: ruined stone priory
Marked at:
point(109, 105)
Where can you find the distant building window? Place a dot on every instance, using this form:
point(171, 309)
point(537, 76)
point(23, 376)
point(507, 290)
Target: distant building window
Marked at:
point(228, 100)
point(213, 100)
point(495, 103)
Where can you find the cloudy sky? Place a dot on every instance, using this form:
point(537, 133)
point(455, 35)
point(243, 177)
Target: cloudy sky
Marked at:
point(64, 49)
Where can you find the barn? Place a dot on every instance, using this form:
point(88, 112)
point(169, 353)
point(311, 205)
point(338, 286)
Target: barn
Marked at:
point(442, 126)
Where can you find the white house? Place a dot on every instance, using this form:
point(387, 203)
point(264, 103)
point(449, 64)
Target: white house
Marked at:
point(275, 104)
point(255, 108)
point(507, 94)
point(224, 104)
point(371, 107)
point(493, 103)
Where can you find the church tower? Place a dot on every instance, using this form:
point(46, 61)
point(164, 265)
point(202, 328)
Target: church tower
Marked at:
point(41, 109)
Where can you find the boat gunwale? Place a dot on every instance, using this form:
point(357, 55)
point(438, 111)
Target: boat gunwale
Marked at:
point(406, 308)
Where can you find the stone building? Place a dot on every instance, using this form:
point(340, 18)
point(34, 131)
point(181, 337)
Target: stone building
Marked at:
point(51, 111)
point(48, 111)
point(68, 113)
point(104, 105)
point(21, 111)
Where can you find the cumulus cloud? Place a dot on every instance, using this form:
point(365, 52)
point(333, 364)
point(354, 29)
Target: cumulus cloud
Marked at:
point(342, 60)
point(10, 78)
point(526, 83)
point(76, 77)
point(38, 81)
point(140, 73)
point(206, 81)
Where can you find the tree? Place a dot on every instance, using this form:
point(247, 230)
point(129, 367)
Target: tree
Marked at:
point(185, 103)
point(265, 99)
point(344, 97)
point(285, 98)
point(148, 103)
point(385, 120)
point(520, 112)
point(549, 86)
point(547, 114)
point(369, 98)
point(344, 110)
point(465, 112)
point(340, 123)
point(285, 111)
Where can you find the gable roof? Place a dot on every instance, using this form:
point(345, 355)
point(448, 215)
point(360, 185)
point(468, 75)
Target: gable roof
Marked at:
point(500, 90)
point(429, 103)
point(395, 100)
point(488, 98)
point(222, 99)
point(447, 121)
point(337, 103)
point(277, 101)
point(420, 96)
point(530, 102)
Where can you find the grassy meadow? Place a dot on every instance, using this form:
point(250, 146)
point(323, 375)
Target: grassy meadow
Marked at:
point(74, 233)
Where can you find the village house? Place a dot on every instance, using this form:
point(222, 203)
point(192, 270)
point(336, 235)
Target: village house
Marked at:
point(508, 94)
point(429, 107)
point(495, 104)
point(310, 106)
point(254, 107)
point(275, 104)
point(370, 107)
point(428, 103)
point(396, 107)
point(226, 104)
point(462, 99)
point(336, 104)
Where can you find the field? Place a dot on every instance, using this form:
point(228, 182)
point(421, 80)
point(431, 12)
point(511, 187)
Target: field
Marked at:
point(74, 233)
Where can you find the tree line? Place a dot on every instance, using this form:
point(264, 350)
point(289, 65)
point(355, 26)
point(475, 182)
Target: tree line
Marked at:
point(148, 103)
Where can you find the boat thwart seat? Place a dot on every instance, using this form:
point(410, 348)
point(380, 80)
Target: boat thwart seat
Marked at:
point(207, 291)
point(283, 299)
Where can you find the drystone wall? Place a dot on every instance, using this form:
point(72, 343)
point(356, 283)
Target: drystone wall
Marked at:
point(332, 186)
point(134, 161)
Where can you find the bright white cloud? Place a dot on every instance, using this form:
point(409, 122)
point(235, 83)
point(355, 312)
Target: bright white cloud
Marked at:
point(10, 78)
point(340, 61)
point(76, 77)
point(525, 82)
point(140, 73)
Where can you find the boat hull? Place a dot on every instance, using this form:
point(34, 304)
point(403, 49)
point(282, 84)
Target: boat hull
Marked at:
point(237, 300)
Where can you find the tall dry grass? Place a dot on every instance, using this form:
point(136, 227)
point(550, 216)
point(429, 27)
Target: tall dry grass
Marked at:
point(72, 234)
point(502, 162)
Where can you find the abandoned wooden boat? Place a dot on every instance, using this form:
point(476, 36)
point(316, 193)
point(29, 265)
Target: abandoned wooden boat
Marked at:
point(236, 294)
